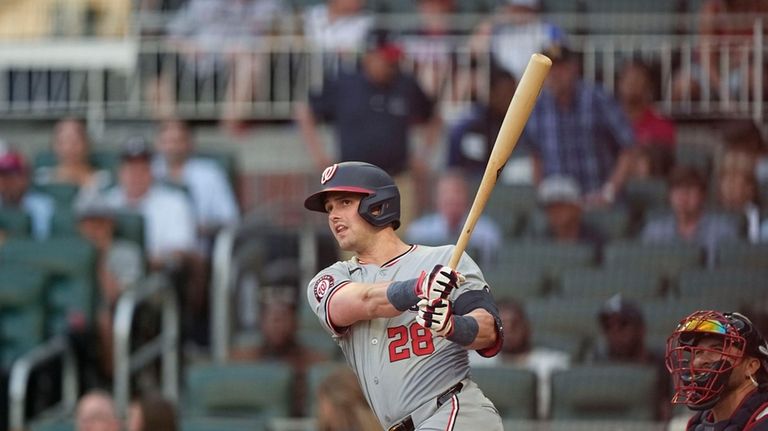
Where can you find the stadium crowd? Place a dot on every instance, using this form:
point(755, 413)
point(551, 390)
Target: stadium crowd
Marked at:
point(606, 228)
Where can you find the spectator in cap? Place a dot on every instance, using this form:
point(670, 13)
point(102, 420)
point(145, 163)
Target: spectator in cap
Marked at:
point(513, 34)
point(560, 198)
point(212, 196)
point(71, 147)
point(278, 327)
point(622, 340)
point(578, 130)
point(169, 228)
point(120, 265)
point(387, 101)
point(690, 222)
point(15, 192)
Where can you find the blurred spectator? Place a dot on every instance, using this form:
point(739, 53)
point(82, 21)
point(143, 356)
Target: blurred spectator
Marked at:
point(561, 200)
point(372, 111)
point(690, 222)
point(120, 265)
point(622, 340)
point(431, 45)
point(725, 27)
point(444, 226)
point(341, 405)
point(518, 350)
point(578, 130)
point(744, 149)
point(46, 18)
point(169, 230)
point(199, 31)
point(654, 134)
point(337, 27)
point(471, 138)
point(212, 197)
point(278, 329)
point(152, 412)
point(96, 412)
point(737, 193)
point(73, 165)
point(15, 192)
point(514, 33)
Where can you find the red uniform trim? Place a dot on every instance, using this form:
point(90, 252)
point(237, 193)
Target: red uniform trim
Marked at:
point(338, 330)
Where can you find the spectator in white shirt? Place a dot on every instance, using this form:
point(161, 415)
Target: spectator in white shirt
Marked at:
point(338, 26)
point(169, 228)
point(208, 186)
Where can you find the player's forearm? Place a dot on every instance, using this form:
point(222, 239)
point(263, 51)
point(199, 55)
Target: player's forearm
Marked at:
point(486, 334)
point(361, 301)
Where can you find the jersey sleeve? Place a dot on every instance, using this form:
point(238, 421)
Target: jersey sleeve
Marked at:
point(320, 291)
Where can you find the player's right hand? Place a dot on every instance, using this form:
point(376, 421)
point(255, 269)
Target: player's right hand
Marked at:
point(440, 283)
point(437, 317)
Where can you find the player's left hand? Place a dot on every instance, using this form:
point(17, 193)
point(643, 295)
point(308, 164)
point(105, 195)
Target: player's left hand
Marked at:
point(440, 283)
point(437, 317)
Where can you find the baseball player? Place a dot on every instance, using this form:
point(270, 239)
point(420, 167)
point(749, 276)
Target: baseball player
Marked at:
point(719, 365)
point(403, 320)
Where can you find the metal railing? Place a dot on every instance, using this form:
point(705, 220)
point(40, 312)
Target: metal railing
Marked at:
point(165, 346)
point(225, 272)
point(21, 371)
point(113, 79)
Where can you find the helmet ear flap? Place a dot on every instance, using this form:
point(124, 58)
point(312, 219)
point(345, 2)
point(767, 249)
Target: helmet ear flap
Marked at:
point(381, 208)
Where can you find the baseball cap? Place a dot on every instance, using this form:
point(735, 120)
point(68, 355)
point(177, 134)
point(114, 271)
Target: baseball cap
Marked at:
point(136, 147)
point(382, 42)
point(619, 307)
point(559, 189)
point(11, 161)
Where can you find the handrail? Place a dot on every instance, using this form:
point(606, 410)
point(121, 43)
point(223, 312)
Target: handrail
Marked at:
point(222, 283)
point(22, 369)
point(164, 346)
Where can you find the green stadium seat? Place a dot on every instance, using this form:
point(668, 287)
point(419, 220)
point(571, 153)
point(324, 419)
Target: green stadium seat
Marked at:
point(63, 194)
point(222, 424)
point(547, 257)
point(604, 392)
point(101, 159)
point(571, 317)
point(604, 425)
point(574, 345)
point(53, 424)
point(645, 194)
point(71, 265)
point(512, 390)
point(509, 206)
point(612, 223)
point(22, 311)
point(129, 226)
point(666, 260)
point(231, 390)
point(516, 282)
point(744, 285)
point(15, 222)
point(320, 340)
point(742, 255)
point(662, 317)
point(601, 284)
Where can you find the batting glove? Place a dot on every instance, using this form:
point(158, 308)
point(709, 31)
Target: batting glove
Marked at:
point(440, 283)
point(438, 318)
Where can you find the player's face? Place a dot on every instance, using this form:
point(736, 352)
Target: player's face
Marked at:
point(349, 229)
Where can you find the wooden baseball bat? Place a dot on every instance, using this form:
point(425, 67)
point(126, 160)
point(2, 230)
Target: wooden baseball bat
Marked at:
point(519, 110)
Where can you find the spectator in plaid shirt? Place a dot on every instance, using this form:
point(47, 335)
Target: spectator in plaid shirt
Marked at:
point(578, 130)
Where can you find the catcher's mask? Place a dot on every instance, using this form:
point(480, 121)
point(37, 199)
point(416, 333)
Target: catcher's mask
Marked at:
point(704, 349)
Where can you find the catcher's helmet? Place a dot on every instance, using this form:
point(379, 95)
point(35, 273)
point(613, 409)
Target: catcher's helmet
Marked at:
point(699, 383)
point(380, 207)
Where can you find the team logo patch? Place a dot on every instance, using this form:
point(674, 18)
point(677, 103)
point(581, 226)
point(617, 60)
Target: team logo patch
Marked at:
point(328, 173)
point(322, 286)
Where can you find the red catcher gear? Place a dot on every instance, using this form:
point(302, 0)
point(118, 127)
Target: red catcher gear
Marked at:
point(699, 384)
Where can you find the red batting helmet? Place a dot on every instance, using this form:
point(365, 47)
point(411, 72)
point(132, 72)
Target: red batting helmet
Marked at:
point(380, 206)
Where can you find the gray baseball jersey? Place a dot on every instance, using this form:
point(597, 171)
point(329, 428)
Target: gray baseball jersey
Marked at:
point(400, 364)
